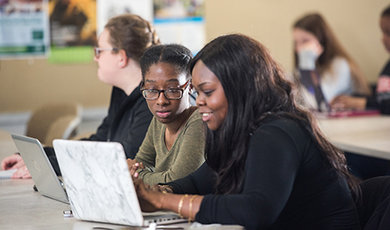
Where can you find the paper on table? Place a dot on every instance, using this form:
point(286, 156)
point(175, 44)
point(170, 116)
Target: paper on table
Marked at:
point(7, 174)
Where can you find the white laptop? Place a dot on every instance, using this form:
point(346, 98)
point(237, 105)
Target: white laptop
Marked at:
point(99, 185)
point(42, 173)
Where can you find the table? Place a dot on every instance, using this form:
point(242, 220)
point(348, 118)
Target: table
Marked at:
point(365, 135)
point(23, 208)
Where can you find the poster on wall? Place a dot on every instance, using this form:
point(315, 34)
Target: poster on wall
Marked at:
point(72, 30)
point(24, 30)
point(108, 9)
point(180, 21)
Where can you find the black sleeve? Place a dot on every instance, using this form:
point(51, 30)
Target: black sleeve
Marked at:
point(137, 131)
point(383, 87)
point(117, 97)
point(271, 167)
point(200, 182)
point(371, 102)
point(384, 106)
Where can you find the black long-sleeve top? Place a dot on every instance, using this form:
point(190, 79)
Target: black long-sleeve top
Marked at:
point(127, 121)
point(288, 184)
point(381, 100)
point(383, 90)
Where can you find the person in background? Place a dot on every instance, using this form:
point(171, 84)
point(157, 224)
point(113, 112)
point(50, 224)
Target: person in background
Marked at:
point(380, 100)
point(174, 144)
point(267, 164)
point(366, 167)
point(317, 49)
point(120, 47)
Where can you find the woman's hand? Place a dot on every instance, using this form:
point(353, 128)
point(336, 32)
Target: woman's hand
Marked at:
point(150, 199)
point(134, 166)
point(344, 102)
point(14, 161)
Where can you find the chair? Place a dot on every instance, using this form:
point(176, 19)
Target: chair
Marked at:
point(63, 128)
point(53, 121)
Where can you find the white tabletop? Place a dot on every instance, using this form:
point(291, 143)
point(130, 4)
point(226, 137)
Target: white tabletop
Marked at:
point(23, 208)
point(366, 135)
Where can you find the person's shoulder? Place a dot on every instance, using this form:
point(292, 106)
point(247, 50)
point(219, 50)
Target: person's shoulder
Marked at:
point(386, 69)
point(195, 116)
point(339, 63)
point(194, 122)
point(281, 125)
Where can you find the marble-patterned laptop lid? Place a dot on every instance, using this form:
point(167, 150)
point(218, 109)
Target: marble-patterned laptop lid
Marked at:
point(98, 182)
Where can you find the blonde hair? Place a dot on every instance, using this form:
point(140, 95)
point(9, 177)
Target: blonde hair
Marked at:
point(131, 33)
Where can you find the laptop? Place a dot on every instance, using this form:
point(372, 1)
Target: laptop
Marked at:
point(99, 185)
point(42, 173)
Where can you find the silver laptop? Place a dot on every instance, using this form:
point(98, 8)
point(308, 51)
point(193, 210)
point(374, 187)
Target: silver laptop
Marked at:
point(42, 173)
point(99, 185)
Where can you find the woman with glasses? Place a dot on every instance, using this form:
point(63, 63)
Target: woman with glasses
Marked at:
point(267, 164)
point(174, 144)
point(120, 47)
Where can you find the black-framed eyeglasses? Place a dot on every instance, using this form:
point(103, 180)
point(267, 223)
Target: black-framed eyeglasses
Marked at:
point(98, 50)
point(171, 93)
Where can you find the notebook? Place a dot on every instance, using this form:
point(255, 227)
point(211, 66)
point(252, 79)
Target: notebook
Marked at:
point(7, 174)
point(42, 173)
point(99, 185)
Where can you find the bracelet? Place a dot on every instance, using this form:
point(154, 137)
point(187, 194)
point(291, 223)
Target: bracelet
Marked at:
point(181, 205)
point(190, 211)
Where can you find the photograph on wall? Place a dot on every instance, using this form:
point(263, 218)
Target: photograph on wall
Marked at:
point(24, 30)
point(180, 21)
point(108, 9)
point(72, 30)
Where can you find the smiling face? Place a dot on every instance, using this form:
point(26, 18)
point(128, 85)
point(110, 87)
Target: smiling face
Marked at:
point(163, 76)
point(385, 27)
point(211, 100)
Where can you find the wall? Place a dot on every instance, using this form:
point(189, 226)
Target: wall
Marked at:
point(355, 22)
point(26, 84)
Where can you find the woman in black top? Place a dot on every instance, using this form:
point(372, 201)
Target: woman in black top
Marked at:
point(120, 47)
point(267, 164)
point(381, 98)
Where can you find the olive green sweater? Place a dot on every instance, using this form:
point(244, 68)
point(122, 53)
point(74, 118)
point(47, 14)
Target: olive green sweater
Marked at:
point(185, 156)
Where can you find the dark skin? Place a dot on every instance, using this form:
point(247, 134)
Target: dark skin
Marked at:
point(155, 198)
point(173, 113)
point(151, 199)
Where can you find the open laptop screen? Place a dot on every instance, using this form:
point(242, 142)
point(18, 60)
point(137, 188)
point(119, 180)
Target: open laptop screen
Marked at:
point(99, 184)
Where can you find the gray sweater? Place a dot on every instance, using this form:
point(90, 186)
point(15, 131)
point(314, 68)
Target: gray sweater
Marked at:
point(185, 156)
